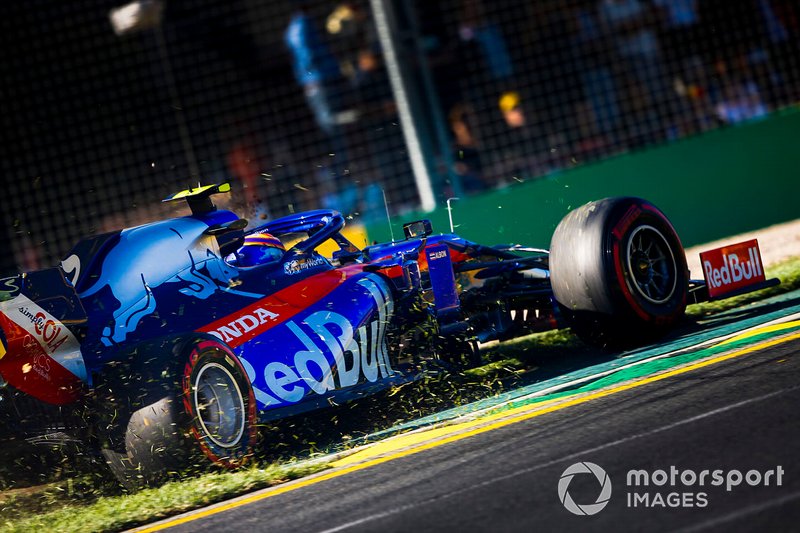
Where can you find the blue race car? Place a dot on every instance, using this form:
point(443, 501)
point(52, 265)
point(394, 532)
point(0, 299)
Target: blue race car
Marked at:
point(166, 344)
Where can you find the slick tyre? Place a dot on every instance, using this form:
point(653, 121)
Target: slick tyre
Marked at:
point(187, 408)
point(618, 272)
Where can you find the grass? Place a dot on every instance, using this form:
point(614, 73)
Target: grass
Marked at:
point(89, 503)
point(117, 512)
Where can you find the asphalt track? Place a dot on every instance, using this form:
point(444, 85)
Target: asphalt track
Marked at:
point(738, 411)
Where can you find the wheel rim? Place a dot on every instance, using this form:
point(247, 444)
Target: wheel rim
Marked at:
point(652, 264)
point(219, 403)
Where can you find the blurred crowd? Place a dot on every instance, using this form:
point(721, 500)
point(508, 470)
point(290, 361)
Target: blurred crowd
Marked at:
point(346, 86)
point(528, 90)
point(560, 84)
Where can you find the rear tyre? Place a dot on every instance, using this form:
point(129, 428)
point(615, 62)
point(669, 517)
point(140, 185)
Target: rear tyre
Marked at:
point(185, 411)
point(618, 272)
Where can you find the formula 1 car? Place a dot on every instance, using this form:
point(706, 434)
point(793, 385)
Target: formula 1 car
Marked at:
point(170, 354)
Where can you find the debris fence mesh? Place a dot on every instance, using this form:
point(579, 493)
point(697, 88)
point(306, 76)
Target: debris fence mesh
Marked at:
point(291, 100)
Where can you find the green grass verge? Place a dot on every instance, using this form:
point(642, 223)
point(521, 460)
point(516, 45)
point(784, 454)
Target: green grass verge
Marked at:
point(84, 503)
point(114, 513)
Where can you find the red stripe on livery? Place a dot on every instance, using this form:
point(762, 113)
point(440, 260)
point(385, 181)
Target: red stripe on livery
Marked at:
point(237, 328)
point(395, 271)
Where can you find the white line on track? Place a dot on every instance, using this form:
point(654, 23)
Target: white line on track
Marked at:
point(571, 456)
point(741, 513)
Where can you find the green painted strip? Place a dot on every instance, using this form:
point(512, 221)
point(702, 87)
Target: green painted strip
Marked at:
point(647, 368)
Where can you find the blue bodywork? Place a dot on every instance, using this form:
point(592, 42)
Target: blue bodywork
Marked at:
point(306, 332)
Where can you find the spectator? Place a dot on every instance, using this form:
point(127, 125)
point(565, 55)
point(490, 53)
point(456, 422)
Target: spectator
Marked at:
point(476, 27)
point(317, 72)
point(377, 130)
point(246, 166)
point(696, 88)
point(29, 254)
point(741, 101)
point(466, 155)
point(486, 67)
point(630, 24)
point(315, 68)
point(730, 29)
point(591, 143)
point(594, 65)
point(530, 150)
point(680, 21)
point(782, 24)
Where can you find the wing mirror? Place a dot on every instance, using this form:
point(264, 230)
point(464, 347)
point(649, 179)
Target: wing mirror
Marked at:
point(418, 228)
point(229, 235)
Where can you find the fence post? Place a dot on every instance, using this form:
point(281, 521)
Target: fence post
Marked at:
point(410, 106)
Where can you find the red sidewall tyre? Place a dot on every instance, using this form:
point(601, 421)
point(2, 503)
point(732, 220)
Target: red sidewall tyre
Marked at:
point(178, 405)
point(618, 271)
point(212, 356)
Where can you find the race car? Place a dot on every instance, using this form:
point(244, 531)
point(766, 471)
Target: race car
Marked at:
point(162, 348)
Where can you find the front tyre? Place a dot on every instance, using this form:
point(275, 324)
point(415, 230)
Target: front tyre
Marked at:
point(220, 402)
point(187, 410)
point(618, 271)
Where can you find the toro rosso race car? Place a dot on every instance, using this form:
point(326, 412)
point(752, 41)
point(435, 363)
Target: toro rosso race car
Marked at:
point(158, 346)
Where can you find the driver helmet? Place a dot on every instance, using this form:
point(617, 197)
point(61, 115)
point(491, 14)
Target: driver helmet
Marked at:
point(259, 248)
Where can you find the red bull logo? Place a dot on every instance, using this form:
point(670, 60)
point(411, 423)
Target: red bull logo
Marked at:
point(732, 268)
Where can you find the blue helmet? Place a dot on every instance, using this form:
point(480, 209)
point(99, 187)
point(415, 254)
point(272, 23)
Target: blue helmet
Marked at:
point(259, 248)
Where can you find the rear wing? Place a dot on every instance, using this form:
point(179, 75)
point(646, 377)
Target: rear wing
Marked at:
point(50, 290)
point(40, 315)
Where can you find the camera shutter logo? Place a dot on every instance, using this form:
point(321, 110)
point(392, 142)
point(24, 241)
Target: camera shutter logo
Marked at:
point(589, 508)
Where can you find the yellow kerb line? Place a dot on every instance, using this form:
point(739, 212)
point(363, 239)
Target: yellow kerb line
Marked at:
point(536, 410)
point(758, 331)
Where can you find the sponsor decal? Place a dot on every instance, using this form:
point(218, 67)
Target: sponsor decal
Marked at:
point(72, 268)
point(443, 280)
point(295, 266)
point(247, 323)
point(732, 267)
point(43, 357)
point(9, 288)
point(36, 359)
point(286, 303)
point(48, 330)
point(625, 223)
point(45, 335)
point(335, 354)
